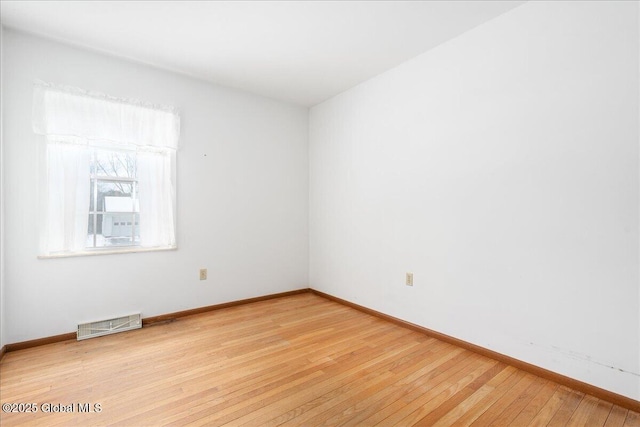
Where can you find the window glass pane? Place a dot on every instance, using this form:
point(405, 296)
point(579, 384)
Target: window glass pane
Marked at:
point(118, 229)
point(136, 230)
point(91, 192)
point(90, 228)
point(114, 230)
point(98, 230)
point(115, 227)
point(116, 197)
point(115, 163)
point(115, 202)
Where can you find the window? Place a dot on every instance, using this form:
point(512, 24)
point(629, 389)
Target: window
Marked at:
point(109, 180)
point(114, 209)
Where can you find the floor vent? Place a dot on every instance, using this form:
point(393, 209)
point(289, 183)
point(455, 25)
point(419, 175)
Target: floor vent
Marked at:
point(109, 326)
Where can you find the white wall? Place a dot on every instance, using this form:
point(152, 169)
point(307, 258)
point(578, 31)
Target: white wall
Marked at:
point(2, 300)
point(502, 169)
point(242, 189)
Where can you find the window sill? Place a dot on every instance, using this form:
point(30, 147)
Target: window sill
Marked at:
point(108, 252)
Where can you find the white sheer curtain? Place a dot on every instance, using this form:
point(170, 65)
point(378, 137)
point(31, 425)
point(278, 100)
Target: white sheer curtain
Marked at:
point(72, 120)
point(92, 116)
point(156, 195)
point(67, 208)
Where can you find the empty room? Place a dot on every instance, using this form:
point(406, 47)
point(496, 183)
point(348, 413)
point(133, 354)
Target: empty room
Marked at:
point(304, 213)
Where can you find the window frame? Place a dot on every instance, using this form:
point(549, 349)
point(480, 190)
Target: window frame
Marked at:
point(113, 250)
point(95, 179)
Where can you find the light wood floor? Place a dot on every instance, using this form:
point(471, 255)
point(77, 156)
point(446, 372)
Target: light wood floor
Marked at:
point(298, 360)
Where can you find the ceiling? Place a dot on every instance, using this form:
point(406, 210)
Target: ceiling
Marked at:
point(301, 52)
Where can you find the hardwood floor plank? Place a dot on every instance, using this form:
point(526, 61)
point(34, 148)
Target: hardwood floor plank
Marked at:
point(413, 377)
point(599, 414)
point(548, 411)
point(451, 387)
point(486, 402)
point(566, 410)
point(632, 420)
point(443, 409)
point(423, 391)
point(423, 379)
point(296, 360)
point(584, 411)
point(345, 404)
point(463, 413)
point(528, 413)
point(616, 417)
point(507, 416)
point(501, 404)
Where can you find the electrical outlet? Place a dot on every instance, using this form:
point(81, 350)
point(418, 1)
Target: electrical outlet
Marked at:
point(203, 274)
point(409, 281)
